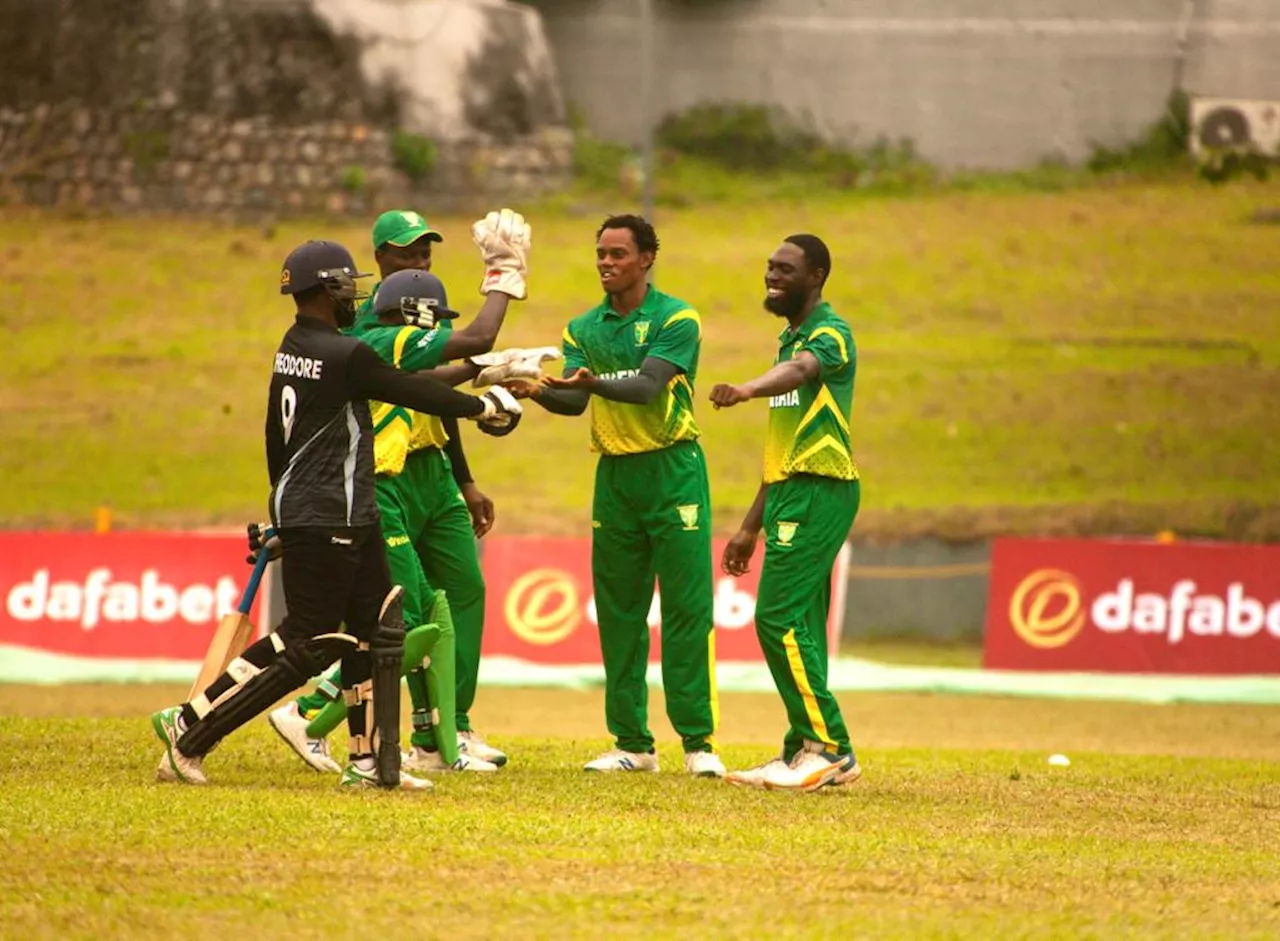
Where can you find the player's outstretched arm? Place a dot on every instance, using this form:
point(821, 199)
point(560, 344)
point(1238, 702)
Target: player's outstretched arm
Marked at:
point(504, 240)
point(641, 389)
point(368, 377)
point(782, 378)
point(564, 396)
point(481, 334)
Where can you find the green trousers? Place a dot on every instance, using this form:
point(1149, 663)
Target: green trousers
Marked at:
point(651, 517)
point(430, 544)
point(806, 521)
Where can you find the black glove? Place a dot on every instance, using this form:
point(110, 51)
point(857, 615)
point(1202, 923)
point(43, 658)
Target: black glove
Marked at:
point(262, 537)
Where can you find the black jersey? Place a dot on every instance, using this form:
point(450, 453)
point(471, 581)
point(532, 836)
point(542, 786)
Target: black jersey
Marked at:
point(319, 433)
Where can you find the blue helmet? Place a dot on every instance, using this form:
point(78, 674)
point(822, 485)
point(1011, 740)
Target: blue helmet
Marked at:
point(418, 296)
point(314, 263)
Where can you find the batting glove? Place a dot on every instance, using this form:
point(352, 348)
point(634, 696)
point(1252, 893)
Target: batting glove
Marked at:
point(501, 411)
point(262, 538)
point(504, 240)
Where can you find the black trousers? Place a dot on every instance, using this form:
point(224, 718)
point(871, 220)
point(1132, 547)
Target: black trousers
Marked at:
point(331, 577)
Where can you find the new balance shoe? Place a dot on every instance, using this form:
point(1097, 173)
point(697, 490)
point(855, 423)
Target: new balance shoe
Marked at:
point(174, 765)
point(421, 760)
point(472, 743)
point(619, 760)
point(755, 777)
point(291, 726)
point(355, 776)
point(811, 768)
point(703, 764)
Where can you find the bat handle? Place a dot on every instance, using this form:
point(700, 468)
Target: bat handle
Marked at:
point(260, 566)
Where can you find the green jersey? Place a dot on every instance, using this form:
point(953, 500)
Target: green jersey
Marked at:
point(614, 346)
point(398, 430)
point(809, 427)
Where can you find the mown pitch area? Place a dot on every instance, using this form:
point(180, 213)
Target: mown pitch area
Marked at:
point(1164, 826)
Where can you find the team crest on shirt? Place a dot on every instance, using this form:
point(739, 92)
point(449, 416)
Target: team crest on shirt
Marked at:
point(786, 532)
point(689, 516)
point(642, 332)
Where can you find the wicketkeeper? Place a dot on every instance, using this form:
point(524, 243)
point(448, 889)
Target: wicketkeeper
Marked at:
point(426, 527)
point(319, 439)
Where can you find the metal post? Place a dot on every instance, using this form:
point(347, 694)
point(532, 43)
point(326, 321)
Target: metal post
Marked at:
point(647, 163)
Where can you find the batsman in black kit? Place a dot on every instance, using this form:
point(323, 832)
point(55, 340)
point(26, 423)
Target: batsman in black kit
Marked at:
point(320, 458)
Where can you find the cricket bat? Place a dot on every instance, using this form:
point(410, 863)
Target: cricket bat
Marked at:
point(233, 632)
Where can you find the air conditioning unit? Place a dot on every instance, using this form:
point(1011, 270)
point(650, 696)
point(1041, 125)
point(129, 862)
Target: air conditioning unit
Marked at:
point(1234, 124)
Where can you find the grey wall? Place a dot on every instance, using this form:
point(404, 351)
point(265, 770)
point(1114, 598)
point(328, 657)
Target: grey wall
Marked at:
point(975, 83)
point(922, 588)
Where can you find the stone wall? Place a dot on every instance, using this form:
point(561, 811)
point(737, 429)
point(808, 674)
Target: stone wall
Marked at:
point(258, 105)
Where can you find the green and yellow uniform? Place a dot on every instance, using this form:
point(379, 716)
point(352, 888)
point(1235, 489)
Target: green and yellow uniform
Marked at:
point(811, 501)
point(427, 530)
point(650, 517)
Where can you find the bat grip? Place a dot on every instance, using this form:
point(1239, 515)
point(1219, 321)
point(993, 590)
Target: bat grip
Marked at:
point(260, 566)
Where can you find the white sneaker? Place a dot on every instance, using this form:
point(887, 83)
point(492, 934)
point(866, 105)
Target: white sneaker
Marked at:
point(421, 760)
point(848, 776)
point(811, 768)
point(174, 765)
point(703, 764)
point(355, 777)
point(619, 760)
point(755, 777)
point(291, 726)
point(472, 743)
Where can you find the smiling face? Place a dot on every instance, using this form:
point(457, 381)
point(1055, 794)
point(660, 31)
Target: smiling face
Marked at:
point(788, 281)
point(620, 263)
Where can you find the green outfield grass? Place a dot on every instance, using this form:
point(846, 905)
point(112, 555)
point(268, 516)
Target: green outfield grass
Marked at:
point(1162, 827)
point(1100, 360)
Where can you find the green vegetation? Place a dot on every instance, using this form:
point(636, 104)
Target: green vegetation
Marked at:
point(353, 179)
point(1104, 359)
point(1158, 829)
point(413, 154)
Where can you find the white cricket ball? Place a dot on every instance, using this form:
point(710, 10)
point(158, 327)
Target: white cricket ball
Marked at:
point(1059, 761)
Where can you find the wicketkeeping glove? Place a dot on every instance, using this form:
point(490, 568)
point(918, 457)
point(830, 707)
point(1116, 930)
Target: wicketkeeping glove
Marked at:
point(504, 239)
point(514, 363)
point(263, 538)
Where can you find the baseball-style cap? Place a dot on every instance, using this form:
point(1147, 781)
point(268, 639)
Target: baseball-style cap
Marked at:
point(402, 227)
point(313, 263)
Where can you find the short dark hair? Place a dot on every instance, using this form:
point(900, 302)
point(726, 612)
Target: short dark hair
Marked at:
point(815, 251)
point(646, 238)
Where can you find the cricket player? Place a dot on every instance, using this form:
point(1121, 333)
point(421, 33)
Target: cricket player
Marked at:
point(805, 505)
point(320, 459)
point(634, 357)
point(428, 526)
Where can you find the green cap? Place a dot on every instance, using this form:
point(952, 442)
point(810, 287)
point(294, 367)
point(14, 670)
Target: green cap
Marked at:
point(402, 227)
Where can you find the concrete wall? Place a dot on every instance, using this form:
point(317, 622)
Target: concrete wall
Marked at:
point(975, 83)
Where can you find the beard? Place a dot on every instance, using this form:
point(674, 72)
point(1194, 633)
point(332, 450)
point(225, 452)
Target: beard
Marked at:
point(786, 305)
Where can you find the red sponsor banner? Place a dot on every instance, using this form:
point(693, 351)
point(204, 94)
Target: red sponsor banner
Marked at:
point(135, 596)
point(1133, 607)
point(540, 605)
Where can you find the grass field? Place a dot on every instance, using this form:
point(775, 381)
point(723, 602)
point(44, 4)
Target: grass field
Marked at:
point(1101, 360)
point(1163, 827)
